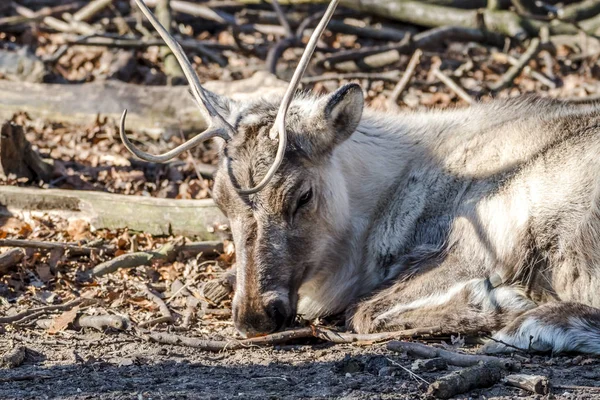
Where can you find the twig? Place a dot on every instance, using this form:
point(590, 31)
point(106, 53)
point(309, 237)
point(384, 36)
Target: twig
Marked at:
point(579, 11)
point(411, 373)
point(346, 337)
point(171, 66)
point(527, 70)
point(44, 310)
point(198, 10)
point(220, 345)
point(166, 315)
point(27, 15)
point(132, 260)
point(408, 73)
point(576, 387)
point(452, 358)
point(201, 47)
point(423, 40)
point(99, 322)
point(71, 247)
point(282, 18)
point(453, 86)
point(279, 337)
point(91, 9)
point(391, 76)
point(276, 51)
point(510, 75)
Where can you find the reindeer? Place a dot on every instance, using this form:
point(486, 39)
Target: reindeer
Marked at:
point(468, 220)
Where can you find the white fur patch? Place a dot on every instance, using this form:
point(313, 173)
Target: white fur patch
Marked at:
point(535, 335)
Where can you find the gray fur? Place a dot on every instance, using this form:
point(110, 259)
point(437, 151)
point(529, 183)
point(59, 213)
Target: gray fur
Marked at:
point(413, 212)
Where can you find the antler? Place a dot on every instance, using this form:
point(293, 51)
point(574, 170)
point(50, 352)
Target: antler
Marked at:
point(279, 125)
point(218, 126)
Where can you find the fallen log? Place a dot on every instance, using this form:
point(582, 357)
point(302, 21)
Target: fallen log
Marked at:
point(458, 382)
point(533, 383)
point(152, 109)
point(195, 218)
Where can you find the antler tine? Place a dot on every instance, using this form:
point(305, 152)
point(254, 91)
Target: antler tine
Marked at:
point(161, 158)
point(218, 126)
point(279, 125)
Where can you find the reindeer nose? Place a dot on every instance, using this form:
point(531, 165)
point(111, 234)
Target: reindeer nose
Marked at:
point(255, 321)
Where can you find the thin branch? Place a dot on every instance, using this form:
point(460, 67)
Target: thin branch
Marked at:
point(282, 18)
point(453, 86)
point(281, 337)
point(391, 76)
point(91, 9)
point(71, 247)
point(44, 310)
point(514, 71)
point(166, 315)
point(408, 73)
point(133, 260)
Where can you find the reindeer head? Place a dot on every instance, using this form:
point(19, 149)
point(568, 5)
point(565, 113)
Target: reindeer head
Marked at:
point(281, 149)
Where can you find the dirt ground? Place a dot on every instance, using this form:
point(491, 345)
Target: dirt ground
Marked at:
point(93, 365)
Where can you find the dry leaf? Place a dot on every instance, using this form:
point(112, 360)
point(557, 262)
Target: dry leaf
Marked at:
point(14, 226)
point(61, 322)
point(79, 229)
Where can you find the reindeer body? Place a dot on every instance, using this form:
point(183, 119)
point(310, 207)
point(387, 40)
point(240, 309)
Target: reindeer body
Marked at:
point(479, 219)
point(482, 219)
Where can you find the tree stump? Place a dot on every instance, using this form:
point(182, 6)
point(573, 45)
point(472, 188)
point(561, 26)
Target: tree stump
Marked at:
point(18, 158)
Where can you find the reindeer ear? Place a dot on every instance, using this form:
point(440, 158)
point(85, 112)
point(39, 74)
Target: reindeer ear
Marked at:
point(343, 110)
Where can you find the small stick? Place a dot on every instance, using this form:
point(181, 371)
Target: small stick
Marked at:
point(510, 75)
point(280, 337)
point(132, 260)
point(453, 86)
point(346, 337)
point(71, 247)
point(391, 76)
point(527, 70)
point(577, 387)
point(452, 358)
point(99, 322)
point(43, 310)
point(282, 18)
point(91, 9)
point(462, 381)
point(166, 315)
point(533, 383)
point(408, 74)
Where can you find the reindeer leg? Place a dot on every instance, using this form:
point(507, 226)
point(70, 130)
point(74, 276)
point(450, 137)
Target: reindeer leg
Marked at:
point(557, 327)
point(467, 306)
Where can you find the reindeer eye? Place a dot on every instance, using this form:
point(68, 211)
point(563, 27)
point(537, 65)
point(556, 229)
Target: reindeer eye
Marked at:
point(305, 198)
